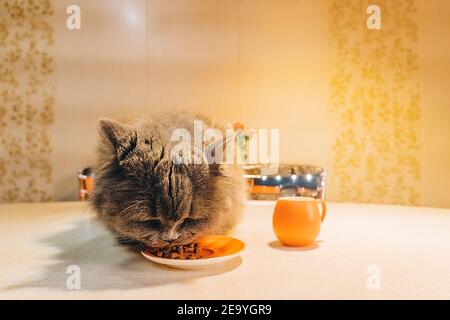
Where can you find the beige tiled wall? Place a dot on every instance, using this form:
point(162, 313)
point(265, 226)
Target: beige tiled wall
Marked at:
point(434, 71)
point(267, 63)
point(99, 71)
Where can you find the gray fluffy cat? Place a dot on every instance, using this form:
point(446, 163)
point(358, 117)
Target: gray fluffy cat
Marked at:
point(146, 199)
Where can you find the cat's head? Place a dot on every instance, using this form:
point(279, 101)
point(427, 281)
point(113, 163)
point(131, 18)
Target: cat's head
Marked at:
point(143, 195)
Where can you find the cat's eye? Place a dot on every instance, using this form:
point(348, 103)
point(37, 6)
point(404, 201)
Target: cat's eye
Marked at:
point(189, 222)
point(154, 223)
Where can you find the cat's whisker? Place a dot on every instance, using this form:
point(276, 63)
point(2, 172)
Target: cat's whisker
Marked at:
point(130, 207)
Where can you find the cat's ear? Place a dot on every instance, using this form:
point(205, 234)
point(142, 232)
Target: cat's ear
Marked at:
point(115, 133)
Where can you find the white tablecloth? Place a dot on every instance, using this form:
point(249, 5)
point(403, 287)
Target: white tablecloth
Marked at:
point(363, 252)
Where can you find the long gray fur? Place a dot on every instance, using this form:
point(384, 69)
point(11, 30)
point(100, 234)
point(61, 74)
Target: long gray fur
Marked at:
point(143, 197)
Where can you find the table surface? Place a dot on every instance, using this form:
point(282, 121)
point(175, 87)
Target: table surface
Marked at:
point(406, 248)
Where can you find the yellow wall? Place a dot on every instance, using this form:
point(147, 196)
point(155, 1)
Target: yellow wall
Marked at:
point(26, 101)
point(370, 106)
point(375, 101)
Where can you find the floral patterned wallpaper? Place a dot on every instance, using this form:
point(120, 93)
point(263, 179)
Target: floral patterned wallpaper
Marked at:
point(375, 103)
point(26, 100)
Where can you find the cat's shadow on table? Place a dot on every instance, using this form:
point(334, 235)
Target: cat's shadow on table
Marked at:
point(103, 264)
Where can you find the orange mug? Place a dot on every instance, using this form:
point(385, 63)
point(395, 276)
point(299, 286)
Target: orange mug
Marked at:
point(297, 220)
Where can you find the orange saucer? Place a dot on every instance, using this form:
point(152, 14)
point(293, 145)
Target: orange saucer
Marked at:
point(220, 248)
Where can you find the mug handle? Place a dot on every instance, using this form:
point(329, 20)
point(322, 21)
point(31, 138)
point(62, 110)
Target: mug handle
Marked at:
point(324, 210)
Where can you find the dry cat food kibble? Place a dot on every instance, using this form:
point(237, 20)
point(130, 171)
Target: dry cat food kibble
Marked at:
point(190, 251)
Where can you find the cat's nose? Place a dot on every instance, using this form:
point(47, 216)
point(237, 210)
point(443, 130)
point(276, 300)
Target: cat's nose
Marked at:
point(169, 236)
